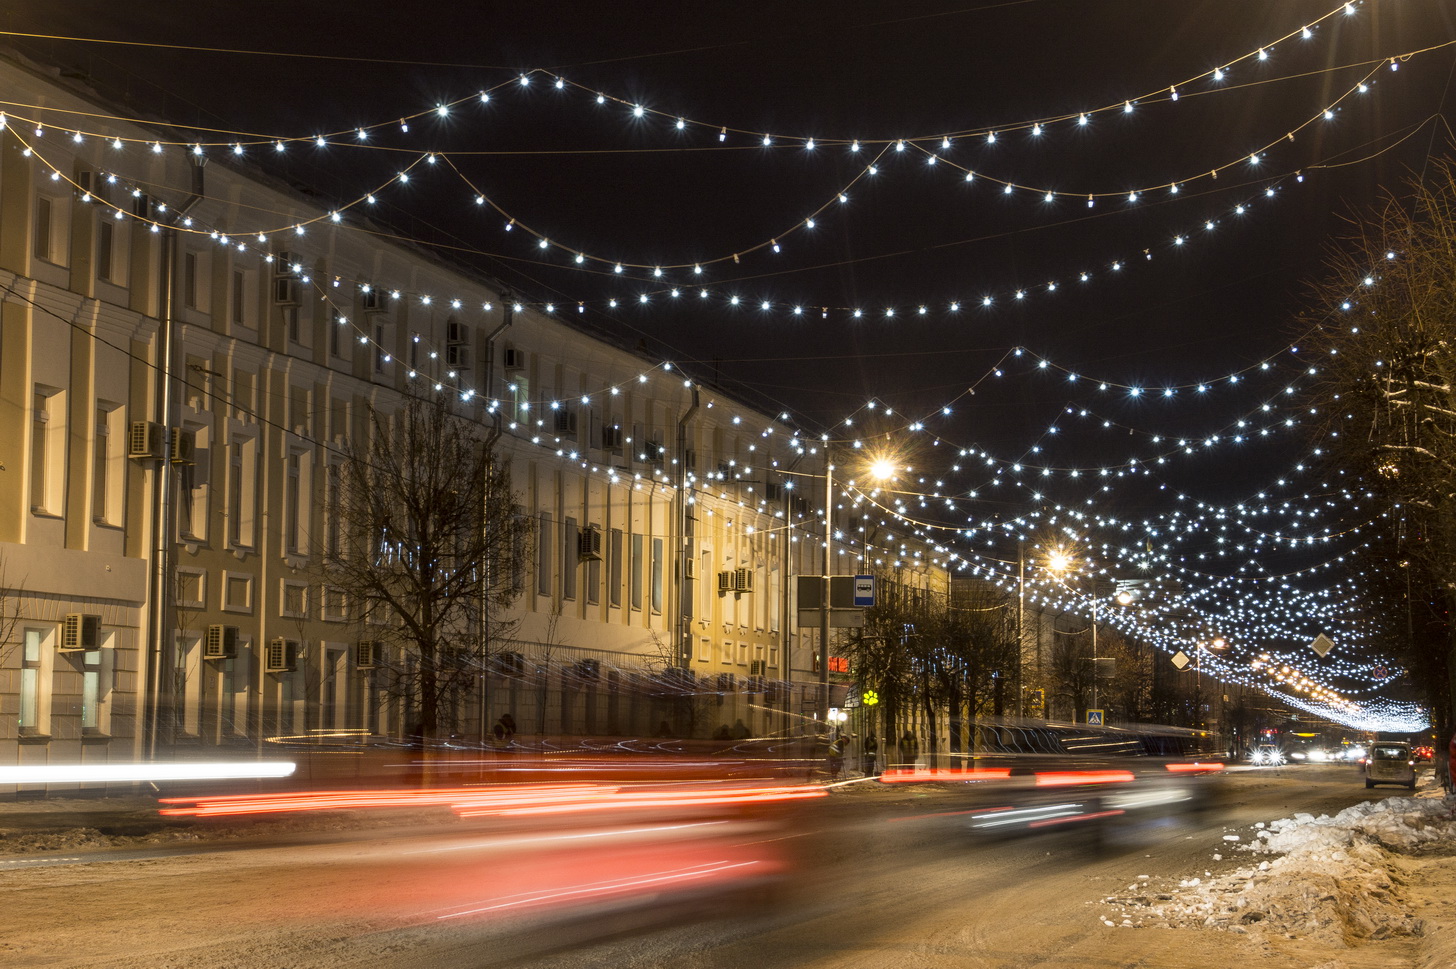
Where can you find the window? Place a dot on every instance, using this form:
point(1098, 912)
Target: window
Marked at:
point(41, 240)
point(192, 487)
point(570, 545)
point(96, 677)
point(337, 322)
point(34, 702)
point(108, 465)
point(543, 555)
point(188, 688)
point(614, 569)
point(47, 451)
point(657, 575)
point(520, 389)
point(242, 491)
point(775, 597)
point(335, 605)
point(634, 576)
point(242, 300)
point(334, 510)
point(594, 581)
point(294, 600)
point(105, 249)
point(190, 295)
point(380, 357)
point(292, 498)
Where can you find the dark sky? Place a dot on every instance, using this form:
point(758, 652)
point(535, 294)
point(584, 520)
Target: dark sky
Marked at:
point(592, 177)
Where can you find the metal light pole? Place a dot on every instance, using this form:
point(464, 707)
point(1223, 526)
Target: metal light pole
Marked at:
point(1095, 670)
point(824, 591)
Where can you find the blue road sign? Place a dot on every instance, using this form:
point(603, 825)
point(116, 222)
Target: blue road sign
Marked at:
point(1094, 718)
point(864, 591)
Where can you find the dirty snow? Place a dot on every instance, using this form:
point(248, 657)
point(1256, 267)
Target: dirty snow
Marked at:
point(1337, 881)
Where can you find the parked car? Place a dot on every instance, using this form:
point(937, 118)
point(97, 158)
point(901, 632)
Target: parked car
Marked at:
point(1424, 753)
point(1390, 763)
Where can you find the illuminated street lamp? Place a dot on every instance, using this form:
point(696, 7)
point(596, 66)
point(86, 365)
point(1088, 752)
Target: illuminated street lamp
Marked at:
point(1059, 562)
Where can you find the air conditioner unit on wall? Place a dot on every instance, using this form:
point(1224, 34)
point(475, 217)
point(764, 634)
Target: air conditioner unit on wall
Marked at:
point(725, 583)
point(145, 439)
point(368, 654)
point(565, 421)
point(742, 580)
point(184, 446)
point(690, 567)
point(80, 631)
point(589, 543)
point(281, 656)
point(221, 642)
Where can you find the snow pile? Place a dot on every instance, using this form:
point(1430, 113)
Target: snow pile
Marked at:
point(1333, 881)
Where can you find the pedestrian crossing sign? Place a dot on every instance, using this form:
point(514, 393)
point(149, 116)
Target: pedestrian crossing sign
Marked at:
point(1094, 718)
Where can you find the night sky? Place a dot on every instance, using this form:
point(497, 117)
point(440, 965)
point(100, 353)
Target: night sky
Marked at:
point(1188, 304)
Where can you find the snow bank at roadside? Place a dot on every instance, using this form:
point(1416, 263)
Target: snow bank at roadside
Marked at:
point(1333, 880)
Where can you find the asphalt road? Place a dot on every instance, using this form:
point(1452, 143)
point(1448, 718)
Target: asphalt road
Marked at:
point(879, 878)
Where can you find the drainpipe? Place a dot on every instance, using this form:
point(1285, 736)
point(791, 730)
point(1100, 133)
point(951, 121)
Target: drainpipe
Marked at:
point(160, 593)
point(680, 522)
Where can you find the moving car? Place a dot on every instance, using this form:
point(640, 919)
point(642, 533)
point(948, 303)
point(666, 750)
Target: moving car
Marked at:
point(1266, 755)
point(1390, 762)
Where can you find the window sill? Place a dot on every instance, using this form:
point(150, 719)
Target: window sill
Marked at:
point(28, 735)
point(110, 525)
point(42, 513)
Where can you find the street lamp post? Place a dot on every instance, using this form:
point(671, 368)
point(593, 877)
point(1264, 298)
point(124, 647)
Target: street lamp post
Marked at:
point(824, 591)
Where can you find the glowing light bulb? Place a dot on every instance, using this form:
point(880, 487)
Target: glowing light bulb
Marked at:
point(854, 146)
point(636, 110)
point(681, 124)
point(991, 138)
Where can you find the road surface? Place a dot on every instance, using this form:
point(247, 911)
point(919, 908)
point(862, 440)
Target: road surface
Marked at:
point(879, 878)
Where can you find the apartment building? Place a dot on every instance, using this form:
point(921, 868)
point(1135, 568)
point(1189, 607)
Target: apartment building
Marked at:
point(184, 346)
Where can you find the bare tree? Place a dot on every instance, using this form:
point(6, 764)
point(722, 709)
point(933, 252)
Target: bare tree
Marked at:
point(433, 551)
point(1383, 328)
point(9, 612)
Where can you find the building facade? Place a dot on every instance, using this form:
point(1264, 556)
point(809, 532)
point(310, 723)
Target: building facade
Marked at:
point(185, 345)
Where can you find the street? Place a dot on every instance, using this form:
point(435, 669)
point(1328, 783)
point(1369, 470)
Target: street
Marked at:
point(877, 877)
